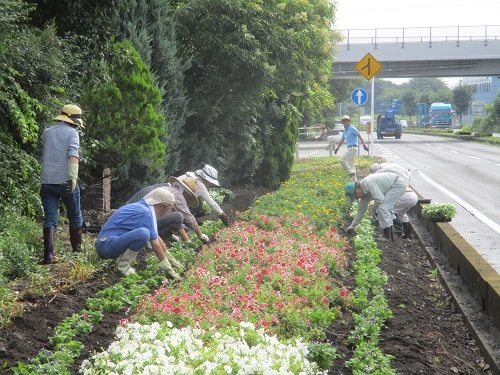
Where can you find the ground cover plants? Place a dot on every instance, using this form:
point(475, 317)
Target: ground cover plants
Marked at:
point(281, 282)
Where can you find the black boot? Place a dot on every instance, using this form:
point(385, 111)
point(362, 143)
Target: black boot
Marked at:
point(398, 226)
point(75, 237)
point(406, 231)
point(48, 244)
point(391, 232)
point(387, 234)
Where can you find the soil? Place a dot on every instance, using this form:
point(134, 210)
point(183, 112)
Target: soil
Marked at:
point(426, 336)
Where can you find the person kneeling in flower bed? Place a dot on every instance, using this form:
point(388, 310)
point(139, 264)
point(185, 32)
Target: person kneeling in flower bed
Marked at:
point(385, 189)
point(131, 227)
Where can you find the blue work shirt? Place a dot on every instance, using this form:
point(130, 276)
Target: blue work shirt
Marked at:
point(350, 135)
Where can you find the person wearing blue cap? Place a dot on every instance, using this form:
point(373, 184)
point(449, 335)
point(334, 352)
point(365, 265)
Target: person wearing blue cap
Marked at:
point(385, 189)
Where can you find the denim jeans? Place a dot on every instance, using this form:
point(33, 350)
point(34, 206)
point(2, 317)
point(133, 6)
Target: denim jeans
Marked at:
point(112, 246)
point(51, 195)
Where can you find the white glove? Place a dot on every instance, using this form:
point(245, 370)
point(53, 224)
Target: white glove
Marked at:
point(204, 238)
point(174, 238)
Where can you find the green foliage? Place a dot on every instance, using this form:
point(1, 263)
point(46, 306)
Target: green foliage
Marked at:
point(20, 244)
point(322, 353)
point(462, 98)
point(124, 122)
point(19, 180)
point(439, 211)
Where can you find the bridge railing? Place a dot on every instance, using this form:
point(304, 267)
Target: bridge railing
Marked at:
point(456, 34)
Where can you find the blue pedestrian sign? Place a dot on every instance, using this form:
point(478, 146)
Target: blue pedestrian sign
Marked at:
point(359, 96)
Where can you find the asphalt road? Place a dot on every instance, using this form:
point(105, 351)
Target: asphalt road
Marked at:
point(448, 170)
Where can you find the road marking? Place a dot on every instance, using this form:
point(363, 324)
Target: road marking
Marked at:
point(455, 152)
point(474, 157)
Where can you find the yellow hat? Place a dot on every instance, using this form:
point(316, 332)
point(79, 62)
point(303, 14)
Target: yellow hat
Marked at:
point(72, 114)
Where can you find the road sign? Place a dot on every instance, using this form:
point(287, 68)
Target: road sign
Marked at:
point(359, 96)
point(368, 66)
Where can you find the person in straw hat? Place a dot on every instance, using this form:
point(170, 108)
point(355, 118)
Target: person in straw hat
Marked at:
point(181, 218)
point(207, 178)
point(59, 178)
point(132, 227)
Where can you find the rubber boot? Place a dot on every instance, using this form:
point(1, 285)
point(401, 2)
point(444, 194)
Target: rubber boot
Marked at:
point(388, 235)
point(406, 231)
point(398, 226)
point(48, 244)
point(75, 237)
point(122, 262)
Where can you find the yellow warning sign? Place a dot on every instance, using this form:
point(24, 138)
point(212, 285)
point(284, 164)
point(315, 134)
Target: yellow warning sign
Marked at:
point(368, 66)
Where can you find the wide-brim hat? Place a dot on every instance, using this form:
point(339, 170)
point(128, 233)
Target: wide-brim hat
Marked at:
point(72, 114)
point(375, 167)
point(208, 173)
point(189, 185)
point(159, 196)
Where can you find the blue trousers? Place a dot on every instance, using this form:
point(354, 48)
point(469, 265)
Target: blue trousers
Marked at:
point(112, 246)
point(51, 195)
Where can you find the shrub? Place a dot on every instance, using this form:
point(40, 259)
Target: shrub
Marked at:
point(439, 211)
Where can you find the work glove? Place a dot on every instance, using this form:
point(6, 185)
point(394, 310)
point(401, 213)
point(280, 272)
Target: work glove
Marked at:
point(366, 148)
point(174, 261)
point(335, 152)
point(204, 238)
point(73, 178)
point(350, 230)
point(174, 238)
point(224, 218)
point(165, 266)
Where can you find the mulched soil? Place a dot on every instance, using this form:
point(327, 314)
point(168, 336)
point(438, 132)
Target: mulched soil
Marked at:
point(427, 335)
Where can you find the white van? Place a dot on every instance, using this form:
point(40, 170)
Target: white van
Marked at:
point(363, 120)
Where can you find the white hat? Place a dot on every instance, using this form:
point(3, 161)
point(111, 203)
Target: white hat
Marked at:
point(208, 173)
point(345, 117)
point(72, 114)
point(375, 167)
point(158, 196)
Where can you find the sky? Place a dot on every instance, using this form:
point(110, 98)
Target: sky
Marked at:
point(443, 16)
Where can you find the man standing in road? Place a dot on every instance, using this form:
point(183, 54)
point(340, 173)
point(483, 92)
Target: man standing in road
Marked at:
point(352, 137)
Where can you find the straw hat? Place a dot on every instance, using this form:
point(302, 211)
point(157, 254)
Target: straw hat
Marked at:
point(189, 186)
point(72, 114)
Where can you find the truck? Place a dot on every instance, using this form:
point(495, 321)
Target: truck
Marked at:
point(440, 115)
point(388, 125)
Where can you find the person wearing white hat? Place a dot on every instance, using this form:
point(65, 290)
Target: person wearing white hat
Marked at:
point(59, 178)
point(132, 227)
point(207, 178)
point(352, 137)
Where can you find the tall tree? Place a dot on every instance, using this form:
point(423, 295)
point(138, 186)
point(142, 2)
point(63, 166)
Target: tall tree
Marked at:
point(123, 126)
point(462, 99)
point(150, 26)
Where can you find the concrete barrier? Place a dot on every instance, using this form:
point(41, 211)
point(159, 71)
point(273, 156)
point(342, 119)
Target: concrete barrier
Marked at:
point(482, 281)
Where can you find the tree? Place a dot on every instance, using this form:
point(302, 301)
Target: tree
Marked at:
point(462, 99)
point(123, 126)
point(150, 26)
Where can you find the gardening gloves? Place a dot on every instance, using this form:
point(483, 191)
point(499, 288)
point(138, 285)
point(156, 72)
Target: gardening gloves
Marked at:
point(350, 230)
point(224, 218)
point(366, 148)
point(73, 178)
point(165, 266)
point(174, 261)
point(204, 238)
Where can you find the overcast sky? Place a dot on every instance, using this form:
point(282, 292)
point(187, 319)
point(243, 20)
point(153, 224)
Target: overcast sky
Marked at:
point(445, 15)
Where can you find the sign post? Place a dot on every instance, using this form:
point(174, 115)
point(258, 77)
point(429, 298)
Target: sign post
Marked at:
point(368, 66)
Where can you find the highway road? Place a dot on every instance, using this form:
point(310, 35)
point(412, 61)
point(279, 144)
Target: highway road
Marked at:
point(448, 170)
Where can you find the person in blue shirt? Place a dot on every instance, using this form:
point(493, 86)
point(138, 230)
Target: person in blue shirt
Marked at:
point(352, 137)
point(59, 178)
point(132, 227)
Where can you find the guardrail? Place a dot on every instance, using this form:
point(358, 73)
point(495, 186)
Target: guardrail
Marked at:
point(330, 147)
point(456, 34)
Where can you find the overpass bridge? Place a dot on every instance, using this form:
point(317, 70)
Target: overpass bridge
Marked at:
point(459, 51)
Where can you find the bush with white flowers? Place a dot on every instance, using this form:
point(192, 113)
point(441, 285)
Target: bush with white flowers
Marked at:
point(161, 349)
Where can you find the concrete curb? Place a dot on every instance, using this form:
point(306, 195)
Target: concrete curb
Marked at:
point(473, 284)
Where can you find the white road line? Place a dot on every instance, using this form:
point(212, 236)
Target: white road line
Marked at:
point(455, 152)
point(474, 157)
point(485, 220)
